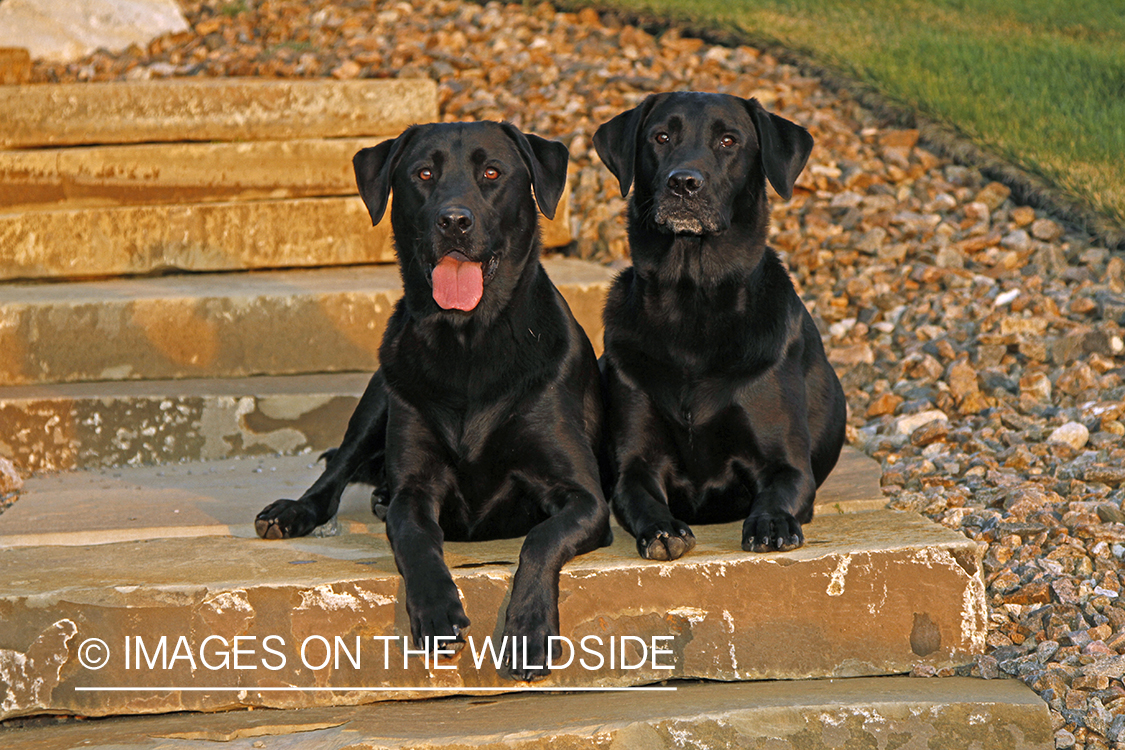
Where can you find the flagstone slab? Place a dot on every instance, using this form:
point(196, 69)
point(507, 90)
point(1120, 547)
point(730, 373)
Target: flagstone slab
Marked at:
point(868, 594)
point(198, 207)
point(221, 497)
point(223, 236)
point(215, 109)
point(875, 712)
point(224, 325)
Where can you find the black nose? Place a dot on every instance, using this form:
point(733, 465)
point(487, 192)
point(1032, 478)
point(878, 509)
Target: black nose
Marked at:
point(685, 182)
point(455, 220)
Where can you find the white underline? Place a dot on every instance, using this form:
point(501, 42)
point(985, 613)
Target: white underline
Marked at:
point(373, 689)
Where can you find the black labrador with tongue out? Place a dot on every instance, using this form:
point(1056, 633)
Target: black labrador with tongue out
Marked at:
point(486, 414)
point(722, 404)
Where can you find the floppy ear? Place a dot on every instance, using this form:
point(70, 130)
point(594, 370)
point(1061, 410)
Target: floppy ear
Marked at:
point(616, 142)
point(373, 169)
point(546, 160)
point(784, 148)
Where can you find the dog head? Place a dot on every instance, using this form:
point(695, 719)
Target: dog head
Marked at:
point(463, 216)
point(701, 161)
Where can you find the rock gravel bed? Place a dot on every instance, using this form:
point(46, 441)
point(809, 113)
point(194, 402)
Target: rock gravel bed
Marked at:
point(979, 341)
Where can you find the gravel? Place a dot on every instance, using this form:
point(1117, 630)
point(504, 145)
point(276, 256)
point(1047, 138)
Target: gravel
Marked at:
point(980, 342)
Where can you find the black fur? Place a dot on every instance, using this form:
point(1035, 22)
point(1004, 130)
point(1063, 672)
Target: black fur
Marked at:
point(481, 424)
point(722, 404)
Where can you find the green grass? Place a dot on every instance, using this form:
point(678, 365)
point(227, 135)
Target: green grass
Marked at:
point(1039, 83)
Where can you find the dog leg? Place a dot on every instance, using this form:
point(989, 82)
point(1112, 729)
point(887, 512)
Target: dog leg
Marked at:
point(360, 453)
point(774, 523)
point(642, 509)
point(433, 602)
point(533, 611)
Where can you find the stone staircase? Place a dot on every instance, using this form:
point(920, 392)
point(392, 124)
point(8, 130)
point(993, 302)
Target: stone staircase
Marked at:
point(190, 306)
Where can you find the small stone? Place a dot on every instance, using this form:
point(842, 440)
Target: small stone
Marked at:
point(10, 480)
point(1066, 591)
point(1017, 240)
point(993, 195)
point(1064, 740)
point(347, 70)
point(882, 405)
point(931, 432)
point(923, 670)
point(908, 424)
point(1073, 434)
point(1036, 386)
point(850, 356)
point(1022, 215)
point(1112, 475)
point(1046, 230)
point(949, 257)
point(962, 379)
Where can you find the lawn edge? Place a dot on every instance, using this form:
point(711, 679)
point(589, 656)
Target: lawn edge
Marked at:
point(942, 137)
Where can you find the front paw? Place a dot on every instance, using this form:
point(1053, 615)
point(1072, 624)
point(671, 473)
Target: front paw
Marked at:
point(284, 519)
point(526, 630)
point(435, 614)
point(667, 540)
point(771, 531)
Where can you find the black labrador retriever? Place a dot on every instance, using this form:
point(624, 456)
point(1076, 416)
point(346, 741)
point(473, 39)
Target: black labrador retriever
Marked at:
point(722, 404)
point(485, 418)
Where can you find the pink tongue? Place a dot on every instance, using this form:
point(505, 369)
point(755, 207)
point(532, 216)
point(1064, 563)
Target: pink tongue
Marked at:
point(458, 285)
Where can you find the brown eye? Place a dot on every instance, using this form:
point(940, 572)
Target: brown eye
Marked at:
point(491, 173)
point(727, 141)
point(661, 138)
point(426, 174)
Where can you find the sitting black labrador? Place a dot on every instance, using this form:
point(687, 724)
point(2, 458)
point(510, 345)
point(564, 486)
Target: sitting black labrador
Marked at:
point(486, 415)
point(722, 404)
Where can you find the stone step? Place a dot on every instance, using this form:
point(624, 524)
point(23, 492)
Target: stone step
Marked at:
point(871, 712)
point(162, 173)
point(216, 109)
point(199, 207)
point(88, 425)
point(225, 236)
point(868, 594)
point(223, 325)
point(207, 236)
point(221, 497)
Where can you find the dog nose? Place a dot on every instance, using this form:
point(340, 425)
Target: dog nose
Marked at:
point(455, 220)
point(685, 182)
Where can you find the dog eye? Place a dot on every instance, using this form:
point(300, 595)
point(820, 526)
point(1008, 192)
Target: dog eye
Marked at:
point(491, 173)
point(426, 174)
point(727, 141)
point(661, 137)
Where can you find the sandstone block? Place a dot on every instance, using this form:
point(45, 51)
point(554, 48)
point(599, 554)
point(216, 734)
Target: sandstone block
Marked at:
point(869, 594)
point(169, 111)
point(225, 325)
point(88, 425)
point(221, 497)
point(880, 712)
point(196, 237)
point(203, 236)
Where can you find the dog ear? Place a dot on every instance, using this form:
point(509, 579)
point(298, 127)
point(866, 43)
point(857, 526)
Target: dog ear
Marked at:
point(373, 169)
point(546, 160)
point(784, 148)
point(616, 142)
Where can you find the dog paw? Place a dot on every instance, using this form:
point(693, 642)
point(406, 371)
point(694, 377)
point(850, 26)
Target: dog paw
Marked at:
point(526, 631)
point(284, 519)
point(666, 541)
point(773, 531)
point(438, 617)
